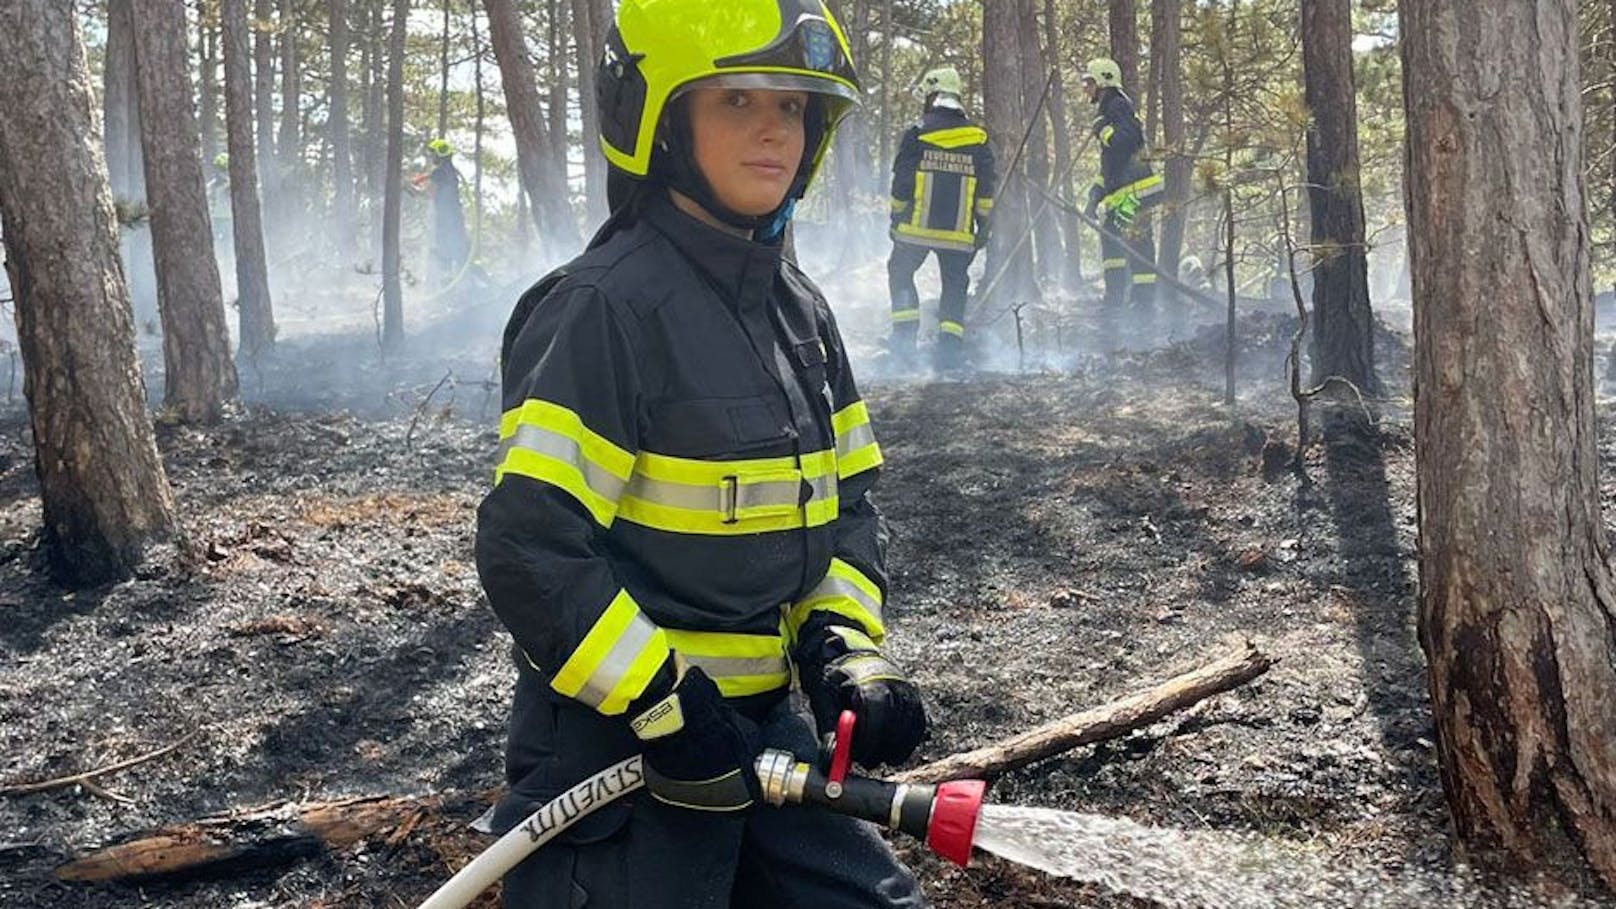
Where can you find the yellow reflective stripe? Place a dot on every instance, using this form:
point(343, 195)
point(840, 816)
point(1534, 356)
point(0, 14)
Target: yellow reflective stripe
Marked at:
point(615, 661)
point(740, 664)
point(952, 328)
point(1114, 264)
point(899, 205)
point(1144, 279)
point(962, 220)
point(730, 498)
point(923, 185)
point(846, 592)
point(856, 448)
point(1099, 181)
point(955, 137)
point(545, 441)
point(1144, 189)
point(984, 206)
point(906, 315)
point(946, 239)
point(1106, 133)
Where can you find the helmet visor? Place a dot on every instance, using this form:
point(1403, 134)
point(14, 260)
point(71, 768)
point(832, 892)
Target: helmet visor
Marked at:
point(774, 82)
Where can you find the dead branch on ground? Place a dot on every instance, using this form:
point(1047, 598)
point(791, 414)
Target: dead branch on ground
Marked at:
point(62, 782)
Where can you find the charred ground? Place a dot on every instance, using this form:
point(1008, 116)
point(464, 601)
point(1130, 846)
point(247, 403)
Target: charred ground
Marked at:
point(1058, 540)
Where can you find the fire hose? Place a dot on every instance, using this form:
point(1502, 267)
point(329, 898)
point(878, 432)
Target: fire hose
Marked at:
point(942, 816)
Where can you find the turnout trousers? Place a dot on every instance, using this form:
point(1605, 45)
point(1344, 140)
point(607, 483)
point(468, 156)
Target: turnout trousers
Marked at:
point(1123, 273)
point(954, 266)
point(638, 853)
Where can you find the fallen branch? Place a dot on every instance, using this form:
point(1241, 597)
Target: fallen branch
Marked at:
point(267, 837)
point(62, 782)
point(1110, 721)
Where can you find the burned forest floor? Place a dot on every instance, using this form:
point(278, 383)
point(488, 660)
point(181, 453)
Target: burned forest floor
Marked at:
point(1059, 539)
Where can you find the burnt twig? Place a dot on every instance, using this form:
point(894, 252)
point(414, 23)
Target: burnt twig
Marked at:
point(62, 782)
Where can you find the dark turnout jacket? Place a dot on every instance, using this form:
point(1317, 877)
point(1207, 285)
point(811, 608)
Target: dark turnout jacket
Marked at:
point(943, 180)
point(684, 466)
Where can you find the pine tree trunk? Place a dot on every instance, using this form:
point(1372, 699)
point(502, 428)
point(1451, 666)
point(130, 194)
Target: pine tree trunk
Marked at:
point(264, 83)
point(1153, 81)
point(1045, 238)
point(288, 204)
point(1124, 31)
point(375, 124)
point(1008, 253)
point(392, 289)
point(590, 21)
point(443, 73)
point(1343, 326)
point(1177, 171)
point(1517, 606)
point(556, 110)
point(199, 376)
point(889, 33)
point(256, 315)
point(477, 140)
point(1071, 272)
point(102, 487)
point(545, 187)
point(342, 181)
point(207, 14)
point(121, 140)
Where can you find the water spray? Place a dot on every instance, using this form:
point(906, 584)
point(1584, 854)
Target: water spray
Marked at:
point(943, 816)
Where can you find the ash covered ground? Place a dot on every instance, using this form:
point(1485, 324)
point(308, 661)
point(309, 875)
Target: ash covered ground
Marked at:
point(1061, 537)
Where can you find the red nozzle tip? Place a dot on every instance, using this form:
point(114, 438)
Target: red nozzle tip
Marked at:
point(953, 819)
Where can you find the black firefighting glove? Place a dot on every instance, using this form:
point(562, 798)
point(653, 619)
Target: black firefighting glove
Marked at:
point(699, 753)
point(1092, 210)
point(984, 228)
point(841, 669)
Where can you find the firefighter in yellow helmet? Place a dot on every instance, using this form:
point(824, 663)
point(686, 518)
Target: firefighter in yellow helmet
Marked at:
point(681, 530)
point(1124, 192)
point(942, 200)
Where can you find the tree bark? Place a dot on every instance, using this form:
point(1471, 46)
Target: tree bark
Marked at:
point(263, 25)
point(257, 319)
point(289, 143)
point(1177, 171)
point(102, 487)
point(199, 376)
point(1517, 610)
point(375, 123)
point(1071, 272)
point(1034, 77)
point(1002, 91)
point(342, 180)
point(125, 168)
point(556, 110)
point(590, 21)
point(443, 73)
point(1109, 721)
point(477, 136)
point(546, 189)
point(392, 289)
point(1153, 80)
point(1343, 326)
point(1124, 31)
point(207, 14)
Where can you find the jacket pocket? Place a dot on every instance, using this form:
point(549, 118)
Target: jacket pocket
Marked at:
point(717, 427)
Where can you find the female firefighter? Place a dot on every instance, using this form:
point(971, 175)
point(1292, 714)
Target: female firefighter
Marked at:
point(681, 511)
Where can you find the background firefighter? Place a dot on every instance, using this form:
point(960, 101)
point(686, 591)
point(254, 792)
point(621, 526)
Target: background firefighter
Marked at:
point(942, 199)
point(1124, 192)
point(451, 242)
point(681, 510)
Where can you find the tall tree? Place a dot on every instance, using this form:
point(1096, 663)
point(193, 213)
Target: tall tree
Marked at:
point(263, 26)
point(199, 376)
point(1178, 170)
point(1010, 261)
point(392, 290)
point(289, 142)
point(1343, 326)
point(102, 487)
point(342, 180)
point(207, 46)
point(1517, 605)
point(1036, 84)
point(1124, 31)
point(443, 73)
point(121, 141)
point(557, 84)
point(546, 188)
point(256, 315)
point(590, 21)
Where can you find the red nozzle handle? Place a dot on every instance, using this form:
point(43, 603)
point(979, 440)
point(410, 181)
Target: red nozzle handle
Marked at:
point(841, 757)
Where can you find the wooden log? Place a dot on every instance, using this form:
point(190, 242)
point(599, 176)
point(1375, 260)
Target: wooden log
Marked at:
point(267, 837)
point(1109, 721)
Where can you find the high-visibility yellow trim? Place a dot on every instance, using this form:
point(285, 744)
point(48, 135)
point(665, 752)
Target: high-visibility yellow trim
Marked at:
point(544, 441)
point(740, 664)
point(1114, 264)
point(1143, 188)
point(955, 137)
point(730, 498)
point(940, 239)
point(899, 205)
point(616, 660)
point(984, 206)
point(1144, 278)
point(906, 315)
point(922, 209)
point(951, 328)
point(847, 592)
point(967, 202)
point(856, 448)
point(1106, 133)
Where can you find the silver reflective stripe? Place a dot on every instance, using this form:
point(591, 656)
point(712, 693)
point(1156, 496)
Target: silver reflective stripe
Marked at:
point(555, 445)
point(723, 498)
point(833, 586)
point(858, 437)
point(735, 667)
point(923, 211)
point(962, 218)
point(618, 661)
point(824, 487)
